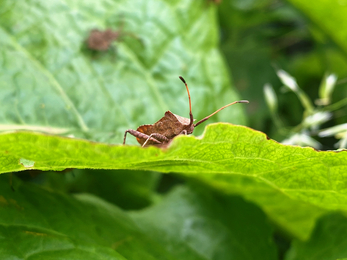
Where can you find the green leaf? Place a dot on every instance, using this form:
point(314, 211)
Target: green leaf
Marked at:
point(208, 226)
point(43, 224)
point(328, 240)
point(126, 189)
point(293, 185)
point(50, 82)
point(188, 224)
point(318, 13)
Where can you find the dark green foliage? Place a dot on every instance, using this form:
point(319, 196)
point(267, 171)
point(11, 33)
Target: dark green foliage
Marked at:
point(76, 193)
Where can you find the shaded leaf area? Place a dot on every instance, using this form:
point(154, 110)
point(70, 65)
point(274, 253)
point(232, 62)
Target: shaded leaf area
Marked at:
point(328, 240)
point(41, 224)
point(212, 226)
point(98, 96)
point(295, 216)
point(334, 9)
point(293, 185)
point(126, 189)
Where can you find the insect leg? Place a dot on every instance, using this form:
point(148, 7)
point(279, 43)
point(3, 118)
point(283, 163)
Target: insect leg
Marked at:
point(157, 136)
point(125, 135)
point(139, 135)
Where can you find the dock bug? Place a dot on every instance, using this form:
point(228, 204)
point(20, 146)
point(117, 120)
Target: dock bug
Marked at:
point(102, 40)
point(169, 126)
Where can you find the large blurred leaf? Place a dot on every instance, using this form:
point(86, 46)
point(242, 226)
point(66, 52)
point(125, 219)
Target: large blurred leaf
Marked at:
point(50, 82)
point(328, 241)
point(293, 185)
point(126, 189)
point(329, 16)
point(42, 224)
point(212, 226)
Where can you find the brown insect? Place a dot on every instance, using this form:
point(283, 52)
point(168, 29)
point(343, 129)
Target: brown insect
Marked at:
point(102, 40)
point(169, 126)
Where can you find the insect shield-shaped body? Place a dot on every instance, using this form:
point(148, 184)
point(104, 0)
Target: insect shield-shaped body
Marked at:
point(102, 40)
point(164, 130)
point(169, 126)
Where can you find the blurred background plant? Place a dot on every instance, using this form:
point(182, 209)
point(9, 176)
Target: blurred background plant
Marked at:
point(265, 42)
point(313, 117)
point(288, 58)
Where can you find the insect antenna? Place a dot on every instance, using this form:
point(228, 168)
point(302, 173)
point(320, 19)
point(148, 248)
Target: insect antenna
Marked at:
point(204, 119)
point(190, 102)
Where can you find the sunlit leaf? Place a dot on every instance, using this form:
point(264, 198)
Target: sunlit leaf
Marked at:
point(51, 82)
point(292, 184)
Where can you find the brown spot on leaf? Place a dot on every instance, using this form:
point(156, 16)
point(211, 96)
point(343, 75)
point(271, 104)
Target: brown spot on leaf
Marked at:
point(101, 40)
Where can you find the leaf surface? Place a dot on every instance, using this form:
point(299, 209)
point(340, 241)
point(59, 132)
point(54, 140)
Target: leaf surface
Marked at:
point(51, 82)
point(328, 240)
point(124, 188)
point(335, 10)
point(294, 185)
point(43, 224)
point(213, 226)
